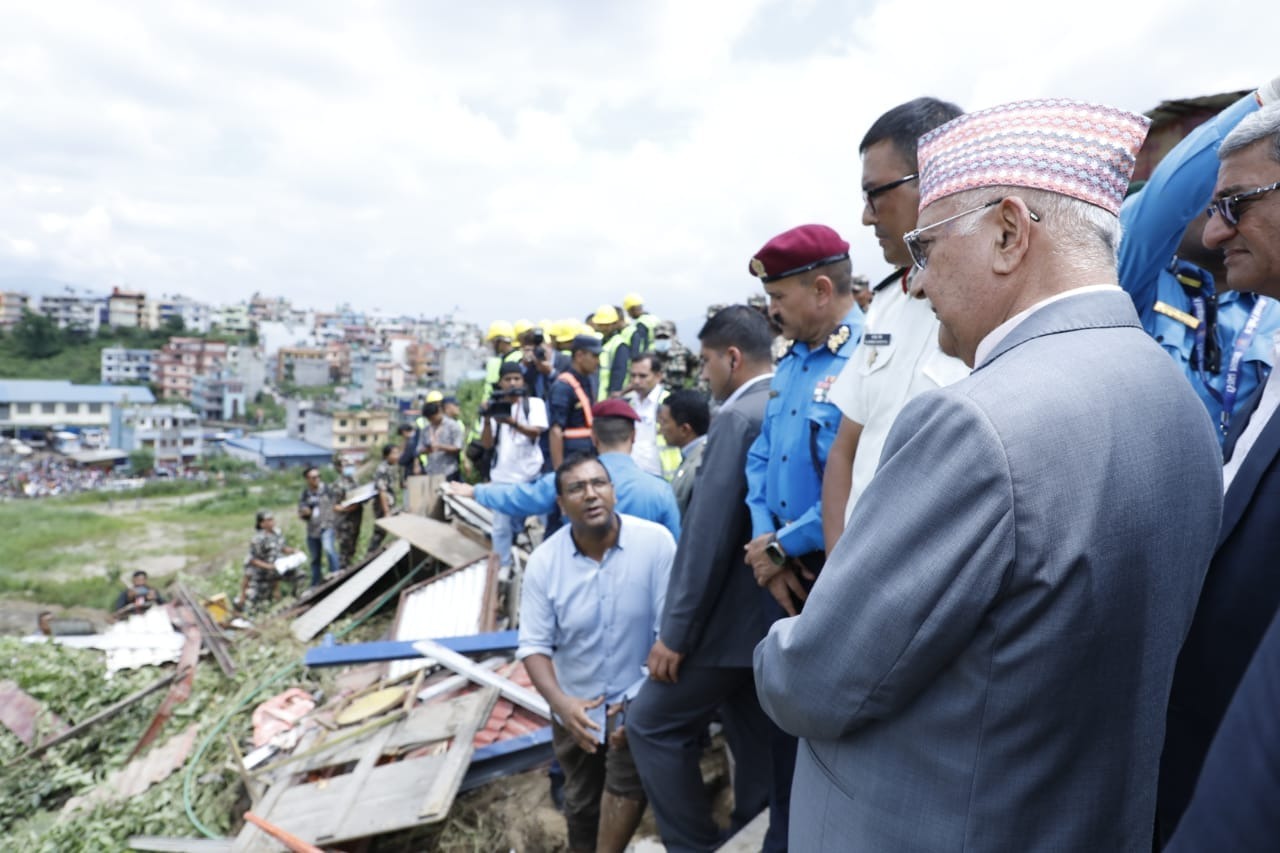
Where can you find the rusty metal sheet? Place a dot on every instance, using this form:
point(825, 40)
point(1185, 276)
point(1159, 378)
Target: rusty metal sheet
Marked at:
point(141, 773)
point(25, 716)
point(438, 539)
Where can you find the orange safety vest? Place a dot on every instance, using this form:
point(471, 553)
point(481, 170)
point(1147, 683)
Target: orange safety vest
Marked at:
point(583, 400)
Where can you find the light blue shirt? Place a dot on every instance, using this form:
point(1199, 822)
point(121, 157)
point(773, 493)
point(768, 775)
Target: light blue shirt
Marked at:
point(1154, 219)
point(597, 621)
point(691, 446)
point(637, 492)
point(786, 461)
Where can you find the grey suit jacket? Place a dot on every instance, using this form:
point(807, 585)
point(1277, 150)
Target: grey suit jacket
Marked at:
point(984, 662)
point(682, 482)
point(714, 610)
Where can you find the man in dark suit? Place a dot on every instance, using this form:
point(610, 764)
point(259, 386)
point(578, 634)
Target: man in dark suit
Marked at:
point(714, 613)
point(1242, 590)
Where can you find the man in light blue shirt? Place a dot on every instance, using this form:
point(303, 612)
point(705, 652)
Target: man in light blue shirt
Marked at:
point(637, 492)
point(590, 608)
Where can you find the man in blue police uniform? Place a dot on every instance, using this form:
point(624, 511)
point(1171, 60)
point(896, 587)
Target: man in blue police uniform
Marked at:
point(1220, 338)
point(808, 277)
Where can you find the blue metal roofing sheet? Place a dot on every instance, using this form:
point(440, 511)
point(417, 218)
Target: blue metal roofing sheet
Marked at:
point(271, 446)
point(62, 391)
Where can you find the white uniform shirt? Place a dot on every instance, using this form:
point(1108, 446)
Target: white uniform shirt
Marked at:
point(645, 451)
point(518, 458)
point(897, 359)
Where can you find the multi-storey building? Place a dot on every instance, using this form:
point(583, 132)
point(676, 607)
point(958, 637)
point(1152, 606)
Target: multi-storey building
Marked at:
point(77, 313)
point(40, 404)
point(302, 366)
point(122, 366)
point(12, 304)
point(219, 396)
point(127, 309)
point(183, 359)
point(171, 433)
point(233, 319)
point(195, 316)
point(351, 433)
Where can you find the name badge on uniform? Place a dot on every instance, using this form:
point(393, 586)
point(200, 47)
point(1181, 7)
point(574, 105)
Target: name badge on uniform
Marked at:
point(877, 339)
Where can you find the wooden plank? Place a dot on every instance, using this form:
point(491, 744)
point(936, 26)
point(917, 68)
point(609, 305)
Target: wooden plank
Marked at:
point(435, 537)
point(166, 844)
point(319, 617)
point(214, 640)
point(104, 714)
point(522, 696)
point(359, 495)
point(378, 798)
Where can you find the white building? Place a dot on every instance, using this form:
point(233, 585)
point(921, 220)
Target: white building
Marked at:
point(81, 313)
point(122, 366)
point(171, 433)
point(196, 316)
point(40, 404)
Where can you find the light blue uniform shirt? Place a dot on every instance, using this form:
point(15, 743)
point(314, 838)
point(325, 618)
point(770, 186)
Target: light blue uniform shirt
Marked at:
point(1154, 220)
point(786, 461)
point(597, 621)
point(636, 491)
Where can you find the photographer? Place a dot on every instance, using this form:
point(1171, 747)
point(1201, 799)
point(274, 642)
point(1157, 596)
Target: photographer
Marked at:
point(513, 426)
point(541, 362)
point(137, 598)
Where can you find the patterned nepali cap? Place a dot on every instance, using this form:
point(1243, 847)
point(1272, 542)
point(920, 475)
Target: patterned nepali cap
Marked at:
point(1068, 147)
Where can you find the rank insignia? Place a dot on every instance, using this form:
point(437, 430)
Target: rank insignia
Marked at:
point(839, 338)
point(757, 268)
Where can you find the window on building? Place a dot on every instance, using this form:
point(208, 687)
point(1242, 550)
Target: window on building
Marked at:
point(48, 408)
point(342, 423)
point(22, 408)
point(95, 408)
point(342, 439)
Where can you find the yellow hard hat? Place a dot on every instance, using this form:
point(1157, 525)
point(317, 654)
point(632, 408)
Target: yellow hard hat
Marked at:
point(500, 329)
point(632, 300)
point(434, 397)
point(522, 326)
point(585, 329)
point(606, 315)
point(547, 327)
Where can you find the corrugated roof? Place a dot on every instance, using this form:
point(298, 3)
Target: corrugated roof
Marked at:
point(62, 391)
point(269, 446)
point(451, 605)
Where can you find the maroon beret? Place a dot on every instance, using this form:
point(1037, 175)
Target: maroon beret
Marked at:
point(614, 408)
point(798, 250)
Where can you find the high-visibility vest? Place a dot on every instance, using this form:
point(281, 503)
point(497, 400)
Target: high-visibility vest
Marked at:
point(649, 322)
point(583, 400)
point(493, 367)
point(422, 424)
point(607, 353)
point(669, 456)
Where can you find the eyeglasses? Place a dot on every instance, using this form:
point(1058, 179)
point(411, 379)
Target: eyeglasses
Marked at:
point(1228, 208)
point(578, 488)
point(912, 238)
point(869, 196)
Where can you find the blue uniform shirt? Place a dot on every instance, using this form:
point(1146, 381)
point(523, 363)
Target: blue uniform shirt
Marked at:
point(637, 493)
point(786, 461)
point(1165, 290)
point(597, 621)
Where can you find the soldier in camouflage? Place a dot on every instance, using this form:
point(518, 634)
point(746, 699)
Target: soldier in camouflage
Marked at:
point(384, 501)
point(260, 581)
point(679, 365)
point(346, 520)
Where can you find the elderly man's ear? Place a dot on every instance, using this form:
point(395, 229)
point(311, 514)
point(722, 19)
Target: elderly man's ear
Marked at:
point(1014, 221)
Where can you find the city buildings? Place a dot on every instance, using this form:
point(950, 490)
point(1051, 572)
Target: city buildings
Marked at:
point(121, 366)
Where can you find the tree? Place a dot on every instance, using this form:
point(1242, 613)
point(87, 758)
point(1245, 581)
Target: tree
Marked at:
point(174, 324)
point(141, 461)
point(36, 336)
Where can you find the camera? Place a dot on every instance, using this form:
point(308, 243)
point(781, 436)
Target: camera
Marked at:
point(535, 338)
point(499, 405)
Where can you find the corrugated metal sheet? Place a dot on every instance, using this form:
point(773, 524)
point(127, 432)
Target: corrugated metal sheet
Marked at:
point(146, 639)
point(62, 391)
point(451, 605)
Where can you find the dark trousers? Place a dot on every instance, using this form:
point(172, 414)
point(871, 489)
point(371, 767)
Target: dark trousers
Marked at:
point(665, 728)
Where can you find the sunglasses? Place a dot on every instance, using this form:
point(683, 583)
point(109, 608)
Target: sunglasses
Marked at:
point(869, 196)
point(1229, 208)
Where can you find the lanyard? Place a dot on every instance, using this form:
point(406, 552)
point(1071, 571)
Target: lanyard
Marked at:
point(1237, 357)
point(1202, 332)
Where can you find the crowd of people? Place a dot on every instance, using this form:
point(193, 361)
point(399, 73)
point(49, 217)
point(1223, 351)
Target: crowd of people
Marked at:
point(961, 564)
point(980, 557)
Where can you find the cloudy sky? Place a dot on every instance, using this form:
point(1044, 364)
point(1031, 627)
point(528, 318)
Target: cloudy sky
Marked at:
point(518, 158)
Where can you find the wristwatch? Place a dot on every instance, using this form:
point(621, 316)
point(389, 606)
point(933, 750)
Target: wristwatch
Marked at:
point(774, 552)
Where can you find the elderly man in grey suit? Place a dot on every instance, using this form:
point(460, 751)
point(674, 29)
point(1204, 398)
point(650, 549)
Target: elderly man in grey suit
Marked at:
point(714, 613)
point(989, 670)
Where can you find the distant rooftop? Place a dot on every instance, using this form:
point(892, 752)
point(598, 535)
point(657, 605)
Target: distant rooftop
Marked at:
point(63, 391)
point(276, 446)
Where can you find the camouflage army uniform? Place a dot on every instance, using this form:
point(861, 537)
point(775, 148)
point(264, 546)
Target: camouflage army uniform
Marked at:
point(265, 546)
point(346, 525)
point(384, 481)
point(679, 365)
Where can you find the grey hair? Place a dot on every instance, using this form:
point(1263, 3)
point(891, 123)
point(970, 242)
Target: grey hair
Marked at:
point(1256, 127)
point(1083, 231)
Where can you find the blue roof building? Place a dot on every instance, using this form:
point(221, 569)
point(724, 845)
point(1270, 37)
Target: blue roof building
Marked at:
point(278, 452)
point(40, 404)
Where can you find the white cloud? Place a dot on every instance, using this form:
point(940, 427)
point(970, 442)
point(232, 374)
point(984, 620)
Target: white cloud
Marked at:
point(517, 159)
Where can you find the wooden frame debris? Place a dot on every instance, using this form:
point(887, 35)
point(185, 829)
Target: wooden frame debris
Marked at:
point(317, 618)
point(522, 696)
point(377, 796)
point(214, 640)
point(436, 538)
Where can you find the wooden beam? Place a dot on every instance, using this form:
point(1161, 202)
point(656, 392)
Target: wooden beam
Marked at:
point(522, 696)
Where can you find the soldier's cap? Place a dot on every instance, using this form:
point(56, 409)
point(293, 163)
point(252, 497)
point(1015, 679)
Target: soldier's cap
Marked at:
point(510, 367)
point(590, 343)
point(799, 250)
point(665, 329)
point(263, 515)
point(614, 408)
point(606, 315)
point(1080, 150)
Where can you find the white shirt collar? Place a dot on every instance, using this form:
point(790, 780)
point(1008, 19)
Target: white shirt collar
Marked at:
point(742, 389)
point(999, 333)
